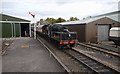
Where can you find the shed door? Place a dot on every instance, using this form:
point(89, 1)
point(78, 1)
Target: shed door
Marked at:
point(103, 32)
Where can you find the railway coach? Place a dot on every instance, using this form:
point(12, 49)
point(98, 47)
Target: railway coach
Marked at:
point(115, 35)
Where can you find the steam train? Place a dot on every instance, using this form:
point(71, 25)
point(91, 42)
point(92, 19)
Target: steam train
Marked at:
point(59, 35)
point(114, 35)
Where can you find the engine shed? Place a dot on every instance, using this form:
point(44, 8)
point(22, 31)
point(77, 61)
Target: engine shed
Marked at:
point(94, 29)
point(14, 27)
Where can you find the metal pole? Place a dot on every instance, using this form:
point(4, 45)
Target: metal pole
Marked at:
point(30, 29)
point(20, 29)
point(34, 30)
point(34, 24)
point(12, 29)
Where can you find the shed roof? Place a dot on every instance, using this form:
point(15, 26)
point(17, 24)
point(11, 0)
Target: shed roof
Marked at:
point(84, 21)
point(12, 18)
point(113, 15)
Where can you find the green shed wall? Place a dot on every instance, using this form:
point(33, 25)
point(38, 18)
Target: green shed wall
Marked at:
point(17, 29)
point(0, 30)
point(8, 29)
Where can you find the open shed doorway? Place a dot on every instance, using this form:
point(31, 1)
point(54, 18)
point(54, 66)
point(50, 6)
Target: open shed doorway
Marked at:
point(25, 30)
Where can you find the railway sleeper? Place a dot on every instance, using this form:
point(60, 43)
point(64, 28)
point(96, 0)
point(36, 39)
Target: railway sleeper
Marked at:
point(92, 63)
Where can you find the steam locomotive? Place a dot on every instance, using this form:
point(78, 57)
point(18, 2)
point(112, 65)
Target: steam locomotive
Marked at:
point(60, 35)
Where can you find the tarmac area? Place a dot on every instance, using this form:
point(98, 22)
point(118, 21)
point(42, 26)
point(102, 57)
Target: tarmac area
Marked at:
point(29, 55)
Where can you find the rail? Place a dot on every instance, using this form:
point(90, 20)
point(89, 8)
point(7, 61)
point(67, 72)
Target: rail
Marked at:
point(67, 69)
point(6, 42)
point(115, 68)
point(100, 49)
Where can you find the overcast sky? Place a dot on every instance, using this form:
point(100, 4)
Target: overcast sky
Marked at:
point(57, 8)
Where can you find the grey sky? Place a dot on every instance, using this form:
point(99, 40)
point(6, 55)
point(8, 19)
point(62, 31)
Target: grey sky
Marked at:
point(58, 8)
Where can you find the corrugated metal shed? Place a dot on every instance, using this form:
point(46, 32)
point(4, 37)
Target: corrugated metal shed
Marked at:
point(13, 26)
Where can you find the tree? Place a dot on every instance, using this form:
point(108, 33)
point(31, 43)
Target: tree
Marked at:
point(73, 19)
point(50, 20)
point(59, 20)
point(41, 21)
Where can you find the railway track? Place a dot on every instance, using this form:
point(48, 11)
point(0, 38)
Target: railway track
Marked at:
point(113, 45)
point(74, 61)
point(90, 62)
point(100, 49)
point(106, 47)
point(51, 53)
point(70, 65)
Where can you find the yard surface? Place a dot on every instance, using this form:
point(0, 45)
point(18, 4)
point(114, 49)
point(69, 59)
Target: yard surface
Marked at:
point(28, 55)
